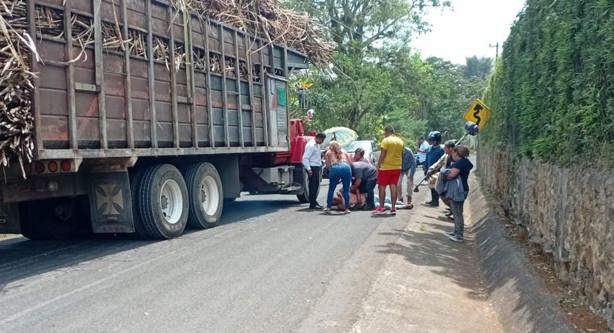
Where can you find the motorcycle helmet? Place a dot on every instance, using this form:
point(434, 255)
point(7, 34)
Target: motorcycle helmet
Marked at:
point(434, 136)
point(472, 128)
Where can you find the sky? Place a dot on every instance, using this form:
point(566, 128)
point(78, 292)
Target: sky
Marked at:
point(467, 29)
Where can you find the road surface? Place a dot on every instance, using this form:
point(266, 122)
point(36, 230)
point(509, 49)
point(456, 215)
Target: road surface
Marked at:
point(272, 266)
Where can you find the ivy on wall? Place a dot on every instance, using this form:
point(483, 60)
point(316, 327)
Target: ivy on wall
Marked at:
point(552, 92)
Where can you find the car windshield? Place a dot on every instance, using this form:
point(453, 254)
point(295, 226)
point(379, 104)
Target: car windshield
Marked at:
point(366, 145)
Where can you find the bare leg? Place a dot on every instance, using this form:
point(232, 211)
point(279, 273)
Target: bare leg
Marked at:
point(382, 195)
point(400, 187)
point(410, 186)
point(393, 194)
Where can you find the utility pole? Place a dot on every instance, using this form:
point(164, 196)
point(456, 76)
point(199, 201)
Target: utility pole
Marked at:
point(497, 50)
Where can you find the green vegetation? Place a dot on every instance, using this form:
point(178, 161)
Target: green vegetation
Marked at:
point(375, 78)
point(552, 93)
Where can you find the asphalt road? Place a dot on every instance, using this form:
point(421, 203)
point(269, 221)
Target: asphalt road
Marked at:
point(272, 266)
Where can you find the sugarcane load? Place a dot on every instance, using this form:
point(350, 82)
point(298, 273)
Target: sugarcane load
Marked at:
point(262, 18)
point(147, 113)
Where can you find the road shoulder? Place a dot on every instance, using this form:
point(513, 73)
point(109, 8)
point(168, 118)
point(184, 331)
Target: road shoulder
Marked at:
point(427, 283)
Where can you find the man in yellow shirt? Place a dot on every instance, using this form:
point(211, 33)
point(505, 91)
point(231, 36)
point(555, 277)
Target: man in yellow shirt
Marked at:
point(389, 169)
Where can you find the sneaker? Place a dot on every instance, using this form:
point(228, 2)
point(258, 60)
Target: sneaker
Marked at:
point(456, 238)
point(451, 233)
point(379, 211)
point(393, 212)
point(347, 211)
point(326, 210)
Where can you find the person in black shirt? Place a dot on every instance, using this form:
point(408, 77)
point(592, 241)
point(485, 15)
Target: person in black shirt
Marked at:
point(460, 168)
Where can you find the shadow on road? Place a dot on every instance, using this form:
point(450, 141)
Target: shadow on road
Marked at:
point(430, 247)
point(486, 264)
point(21, 258)
point(253, 206)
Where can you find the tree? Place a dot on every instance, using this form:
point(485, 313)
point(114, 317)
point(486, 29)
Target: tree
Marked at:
point(356, 25)
point(375, 79)
point(478, 67)
point(358, 90)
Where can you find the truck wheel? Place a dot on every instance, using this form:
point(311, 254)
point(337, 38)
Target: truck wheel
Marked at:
point(135, 183)
point(162, 202)
point(206, 195)
point(55, 219)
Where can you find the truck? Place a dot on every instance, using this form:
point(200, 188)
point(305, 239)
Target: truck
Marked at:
point(150, 132)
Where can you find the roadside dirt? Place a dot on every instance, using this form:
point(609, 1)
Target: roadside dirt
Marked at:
point(578, 313)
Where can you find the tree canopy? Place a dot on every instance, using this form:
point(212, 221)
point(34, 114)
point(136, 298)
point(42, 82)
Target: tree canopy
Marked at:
point(376, 79)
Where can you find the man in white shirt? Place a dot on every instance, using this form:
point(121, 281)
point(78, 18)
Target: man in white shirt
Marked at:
point(423, 147)
point(312, 162)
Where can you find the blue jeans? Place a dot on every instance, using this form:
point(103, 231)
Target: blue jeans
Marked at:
point(338, 172)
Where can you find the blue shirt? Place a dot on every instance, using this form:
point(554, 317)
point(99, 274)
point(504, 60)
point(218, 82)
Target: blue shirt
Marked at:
point(433, 155)
point(409, 162)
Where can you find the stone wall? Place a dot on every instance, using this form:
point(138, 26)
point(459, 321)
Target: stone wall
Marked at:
point(568, 212)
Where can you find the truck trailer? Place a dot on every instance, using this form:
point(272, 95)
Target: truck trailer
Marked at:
point(152, 132)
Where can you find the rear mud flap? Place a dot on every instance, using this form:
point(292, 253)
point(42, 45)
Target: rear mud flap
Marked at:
point(9, 219)
point(111, 203)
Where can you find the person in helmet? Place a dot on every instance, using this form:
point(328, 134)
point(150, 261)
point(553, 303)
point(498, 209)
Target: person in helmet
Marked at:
point(432, 156)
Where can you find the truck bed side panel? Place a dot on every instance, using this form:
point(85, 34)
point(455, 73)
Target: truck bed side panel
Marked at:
point(95, 96)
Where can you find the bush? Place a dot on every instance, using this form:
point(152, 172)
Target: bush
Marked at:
point(552, 92)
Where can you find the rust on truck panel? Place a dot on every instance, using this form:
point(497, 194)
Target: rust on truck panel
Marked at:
point(119, 101)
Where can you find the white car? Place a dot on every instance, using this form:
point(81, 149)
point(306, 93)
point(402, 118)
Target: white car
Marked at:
point(370, 147)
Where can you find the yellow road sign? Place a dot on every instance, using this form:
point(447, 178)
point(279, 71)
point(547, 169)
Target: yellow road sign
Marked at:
point(306, 84)
point(478, 113)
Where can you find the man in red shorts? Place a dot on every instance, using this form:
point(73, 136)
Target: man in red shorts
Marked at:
point(389, 169)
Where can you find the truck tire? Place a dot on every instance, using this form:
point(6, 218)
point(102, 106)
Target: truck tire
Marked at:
point(135, 183)
point(206, 195)
point(162, 202)
point(55, 219)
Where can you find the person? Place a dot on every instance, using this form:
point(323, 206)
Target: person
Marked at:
point(389, 169)
point(365, 178)
point(312, 162)
point(408, 169)
point(339, 169)
point(357, 200)
point(460, 168)
point(423, 147)
point(432, 156)
point(359, 155)
point(444, 161)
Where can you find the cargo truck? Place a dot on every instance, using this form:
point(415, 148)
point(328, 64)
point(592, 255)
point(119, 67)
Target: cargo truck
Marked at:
point(149, 137)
